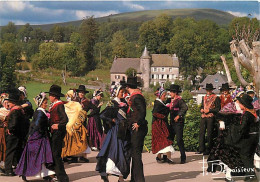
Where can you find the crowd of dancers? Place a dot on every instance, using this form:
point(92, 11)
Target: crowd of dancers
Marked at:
point(71, 129)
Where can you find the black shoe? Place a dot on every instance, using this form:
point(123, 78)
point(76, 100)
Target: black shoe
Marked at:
point(169, 161)
point(160, 160)
point(73, 160)
point(105, 178)
point(183, 161)
point(24, 178)
point(198, 152)
point(83, 159)
point(8, 174)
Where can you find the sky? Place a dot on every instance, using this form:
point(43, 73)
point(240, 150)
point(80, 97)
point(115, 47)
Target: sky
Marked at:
point(46, 12)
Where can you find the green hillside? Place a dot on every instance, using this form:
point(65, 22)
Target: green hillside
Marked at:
point(220, 17)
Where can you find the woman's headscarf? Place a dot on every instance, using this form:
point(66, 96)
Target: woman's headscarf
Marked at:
point(40, 98)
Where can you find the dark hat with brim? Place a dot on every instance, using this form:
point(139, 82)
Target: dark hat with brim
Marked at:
point(56, 91)
point(209, 86)
point(132, 82)
point(246, 101)
point(225, 86)
point(14, 95)
point(82, 88)
point(174, 88)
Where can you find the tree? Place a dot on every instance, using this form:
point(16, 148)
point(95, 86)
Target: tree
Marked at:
point(38, 34)
point(25, 31)
point(245, 50)
point(75, 38)
point(131, 72)
point(72, 59)
point(9, 28)
point(155, 34)
point(119, 45)
point(58, 33)
point(47, 56)
point(89, 34)
point(10, 53)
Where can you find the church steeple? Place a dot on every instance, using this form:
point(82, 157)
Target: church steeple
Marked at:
point(145, 54)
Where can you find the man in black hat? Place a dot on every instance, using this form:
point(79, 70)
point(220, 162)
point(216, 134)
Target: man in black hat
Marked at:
point(58, 121)
point(136, 118)
point(178, 109)
point(210, 106)
point(17, 131)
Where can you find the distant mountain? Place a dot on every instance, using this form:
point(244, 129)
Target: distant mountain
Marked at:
point(220, 17)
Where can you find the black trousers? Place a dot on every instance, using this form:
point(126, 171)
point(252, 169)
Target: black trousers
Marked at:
point(209, 124)
point(177, 128)
point(137, 144)
point(14, 150)
point(56, 147)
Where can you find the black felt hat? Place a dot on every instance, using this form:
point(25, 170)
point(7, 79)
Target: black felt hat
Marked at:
point(225, 86)
point(14, 95)
point(209, 86)
point(82, 88)
point(246, 100)
point(174, 88)
point(55, 90)
point(132, 82)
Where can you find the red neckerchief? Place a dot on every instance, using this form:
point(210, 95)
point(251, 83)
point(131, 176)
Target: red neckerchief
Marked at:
point(130, 102)
point(225, 100)
point(174, 101)
point(55, 105)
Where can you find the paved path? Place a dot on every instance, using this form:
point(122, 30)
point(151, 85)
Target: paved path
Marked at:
point(154, 172)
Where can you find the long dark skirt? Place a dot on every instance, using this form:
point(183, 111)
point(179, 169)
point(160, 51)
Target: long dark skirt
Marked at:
point(117, 150)
point(36, 152)
point(95, 135)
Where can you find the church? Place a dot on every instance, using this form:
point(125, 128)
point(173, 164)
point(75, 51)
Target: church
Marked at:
point(151, 68)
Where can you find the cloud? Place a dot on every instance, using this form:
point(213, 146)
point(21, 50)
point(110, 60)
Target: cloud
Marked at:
point(239, 14)
point(133, 6)
point(81, 14)
point(13, 6)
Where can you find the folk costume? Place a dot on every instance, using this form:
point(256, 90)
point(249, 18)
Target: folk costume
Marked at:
point(3, 124)
point(136, 113)
point(37, 155)
point(179, 108)
point(248, 134)
point(161, 137)
point(115, 156)
point(208, 120)
point(75, 141)
point(87, 106)
point(58, 116)
point(94, 126)
point(224, 153)
point(18, 127)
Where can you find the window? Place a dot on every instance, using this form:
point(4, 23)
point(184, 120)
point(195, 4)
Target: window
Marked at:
point(154, 69)
point(152, 76)
point(216, 80)
point(162, 69)
point(168, 76)
point(170, 69)
point(162, 76)
point(117, 76)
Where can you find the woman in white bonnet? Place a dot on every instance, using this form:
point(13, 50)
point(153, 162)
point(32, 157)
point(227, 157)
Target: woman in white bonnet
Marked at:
point(37, 149)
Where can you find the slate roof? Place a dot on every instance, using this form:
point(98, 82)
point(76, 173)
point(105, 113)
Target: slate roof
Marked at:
point(120, 65)
point(164, 60)
point(217, 80)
